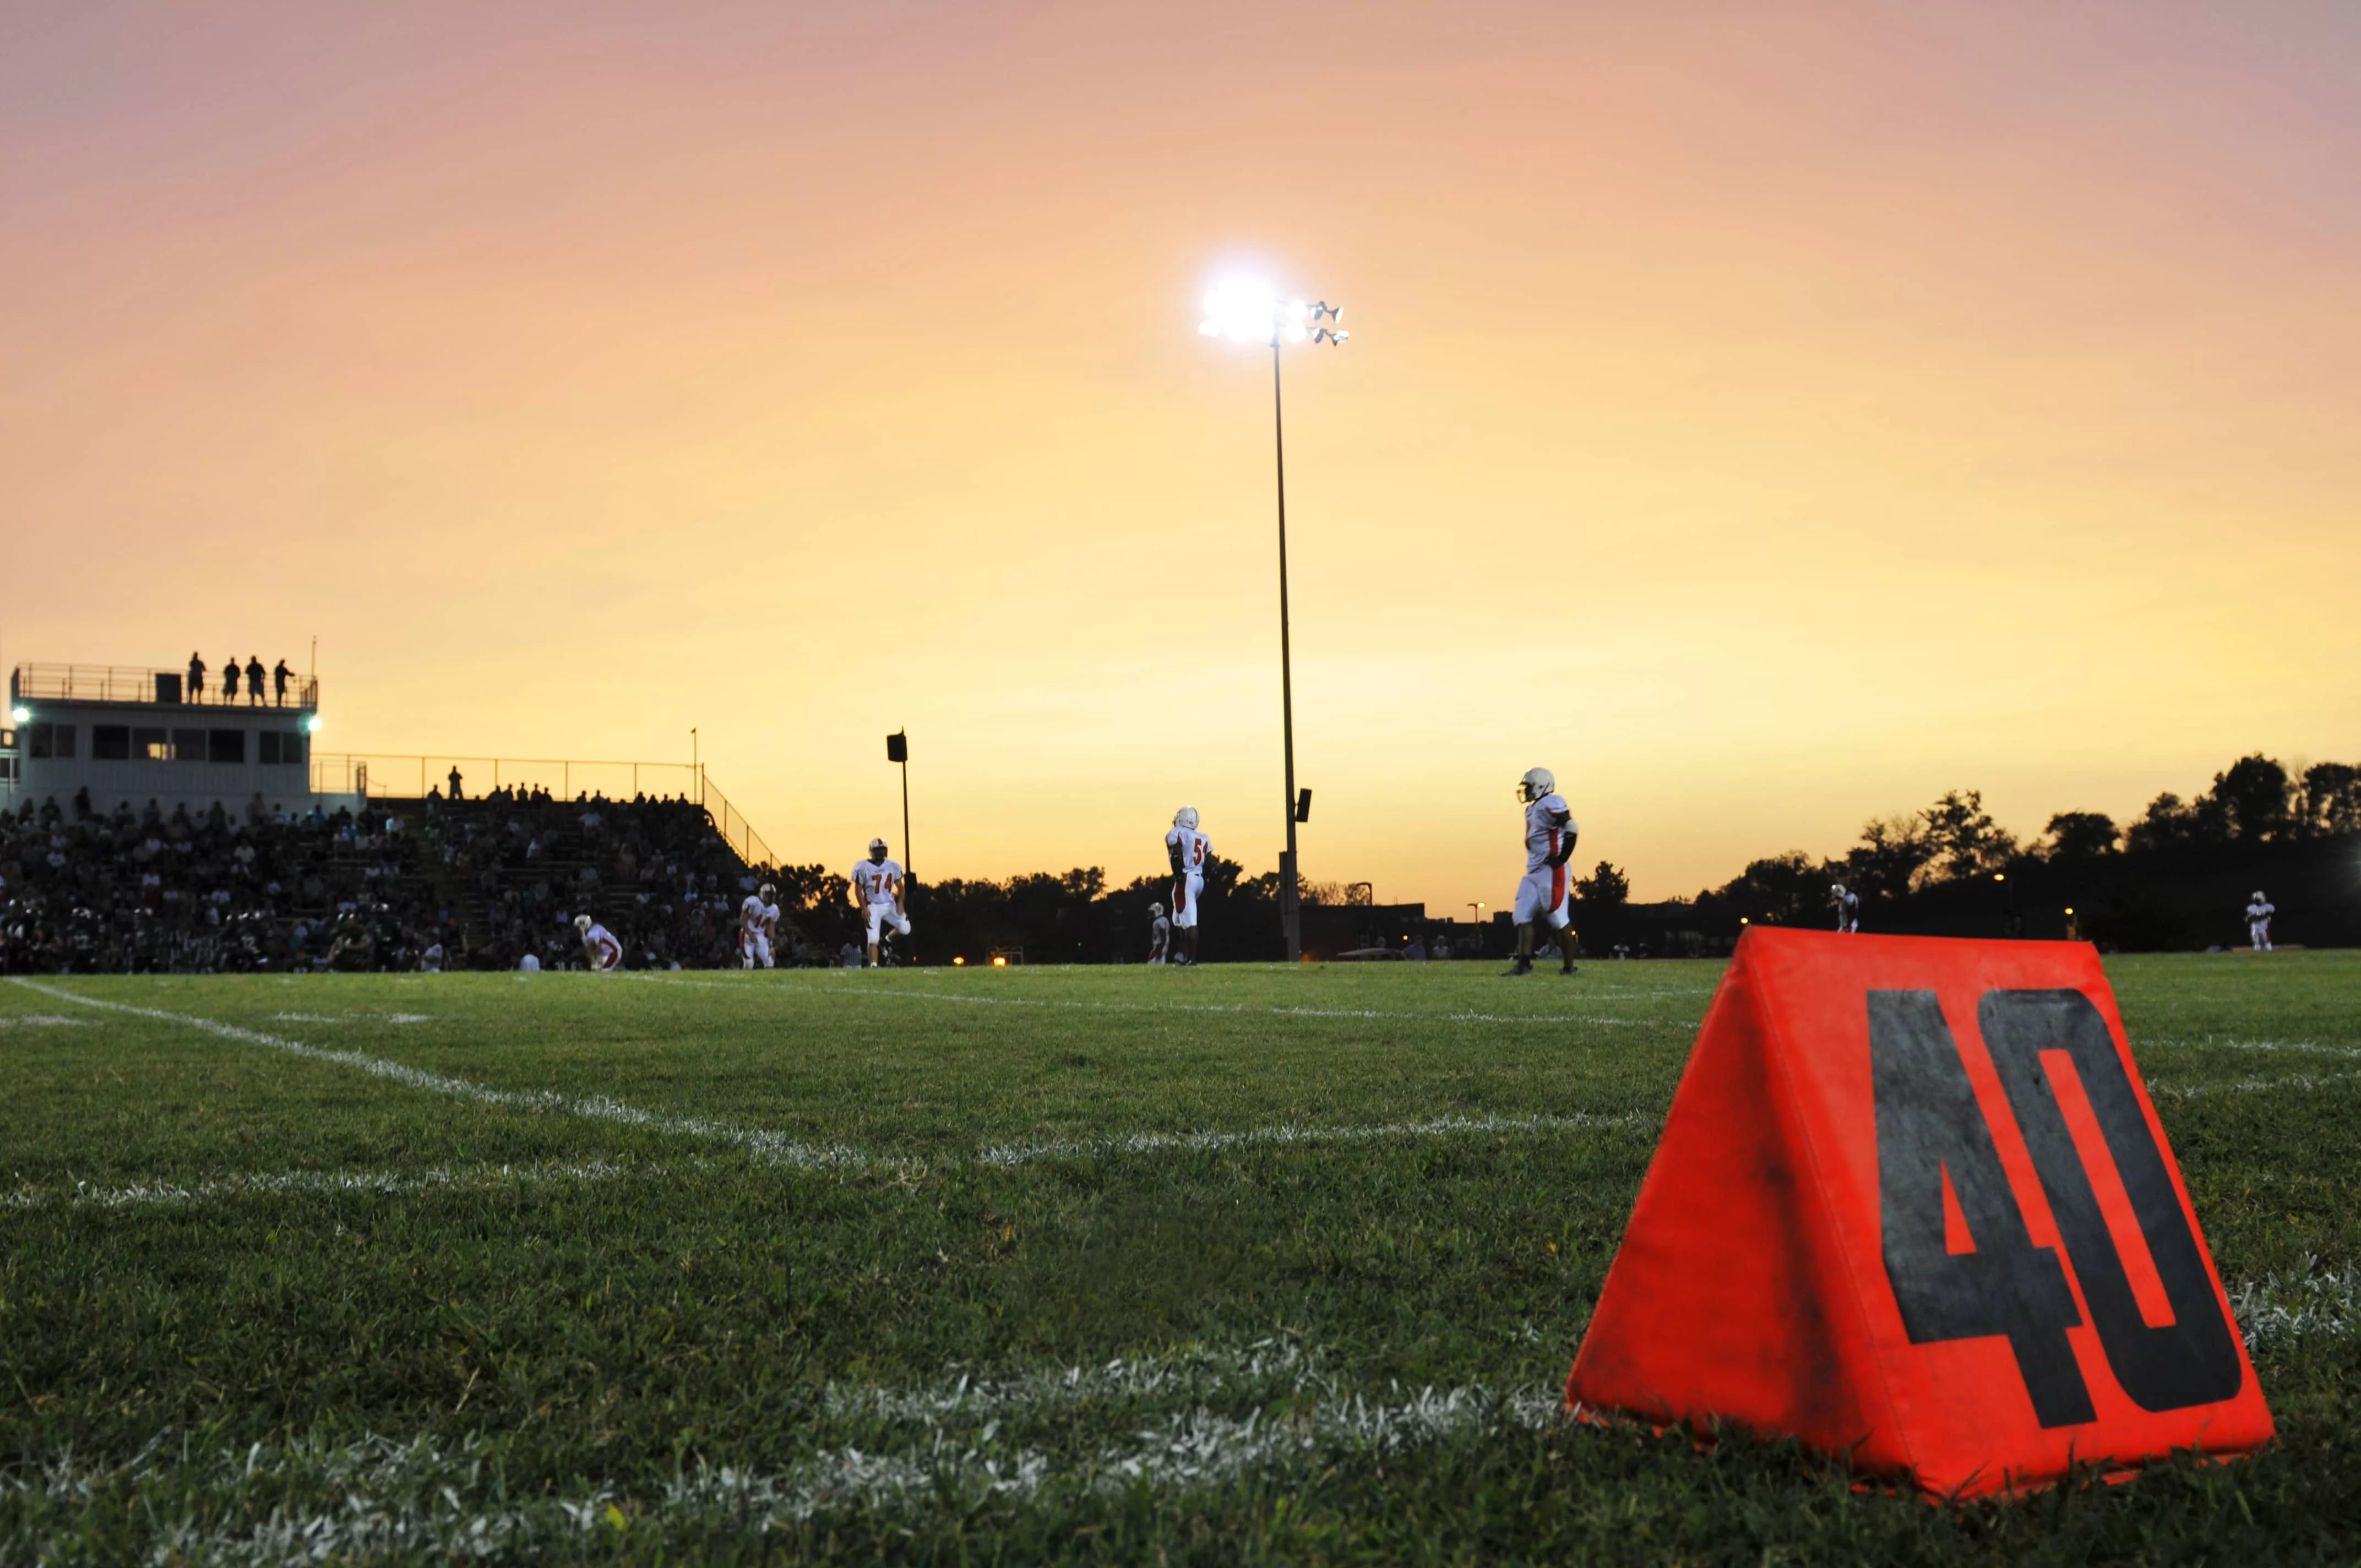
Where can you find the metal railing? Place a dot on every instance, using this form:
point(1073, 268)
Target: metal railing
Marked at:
point(385, 776)
point(130, 683)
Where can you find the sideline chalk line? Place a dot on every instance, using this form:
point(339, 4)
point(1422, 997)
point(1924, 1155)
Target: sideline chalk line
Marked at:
point(760, 1143)
point(907, 994)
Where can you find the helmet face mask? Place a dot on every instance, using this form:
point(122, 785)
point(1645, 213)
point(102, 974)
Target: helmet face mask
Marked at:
point(1537, 782)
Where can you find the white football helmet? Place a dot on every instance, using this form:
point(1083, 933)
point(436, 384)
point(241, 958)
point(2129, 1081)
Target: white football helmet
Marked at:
point(582, 924)
point(1836, 890)
point(768, 893)
point(876, 848)
point(1157, 910)
point(1186, 817)
point(1537, 782)
point(2258, 895)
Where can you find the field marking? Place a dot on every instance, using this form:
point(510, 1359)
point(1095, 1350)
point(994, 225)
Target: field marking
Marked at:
point(41, 1021)
point(308, 1501)
point(900, 993)
point(395, 1183)
point(1286, 1134)
point(373, 1183)
point(2315, 1300)
point(2300, 1047)
point(352, 1017)
point(762, 1142)
point(2247, 1085)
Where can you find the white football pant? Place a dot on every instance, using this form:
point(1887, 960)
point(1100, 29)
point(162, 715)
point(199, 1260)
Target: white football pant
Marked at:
point(1543, 894)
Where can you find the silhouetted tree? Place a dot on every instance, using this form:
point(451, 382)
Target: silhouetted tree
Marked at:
point(1965, 839)
point(2169, 822)
point(2079, 836)
point(2332, 798)
point(2253, 797)
point(1886, 863)
point(1604, 887)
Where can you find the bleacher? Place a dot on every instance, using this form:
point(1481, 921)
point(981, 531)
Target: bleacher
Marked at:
point(486, 880)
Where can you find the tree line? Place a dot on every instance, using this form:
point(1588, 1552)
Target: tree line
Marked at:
point(2172, 877)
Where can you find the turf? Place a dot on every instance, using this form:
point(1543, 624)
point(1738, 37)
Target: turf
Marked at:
point(1243, 1264)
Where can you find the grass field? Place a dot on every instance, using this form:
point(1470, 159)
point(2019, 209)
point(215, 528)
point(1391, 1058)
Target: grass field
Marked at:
point(1241, 1264)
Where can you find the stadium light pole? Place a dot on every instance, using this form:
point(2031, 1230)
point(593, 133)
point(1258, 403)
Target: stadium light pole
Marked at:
point(1244, 311)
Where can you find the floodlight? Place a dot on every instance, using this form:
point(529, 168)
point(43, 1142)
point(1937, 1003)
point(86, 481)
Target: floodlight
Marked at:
point(999, 963)
point(1240, 308)
point(958, 963)
point(20, 715)
point(313, 724)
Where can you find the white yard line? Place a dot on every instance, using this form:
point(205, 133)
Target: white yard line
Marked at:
point(911, 993)
point(372, 1183)
point(2170, 1090)
point(395, 1183)
point(41, 1021)
point(1285, 1134)
point(1200, 1417)
point(759, 1142)
point(2297, 1047)
point(309, 1502)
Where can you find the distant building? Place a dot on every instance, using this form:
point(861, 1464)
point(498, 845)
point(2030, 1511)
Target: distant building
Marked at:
point(128, 737)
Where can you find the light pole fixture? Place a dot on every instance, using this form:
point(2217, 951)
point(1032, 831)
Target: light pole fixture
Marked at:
point(1248, 310)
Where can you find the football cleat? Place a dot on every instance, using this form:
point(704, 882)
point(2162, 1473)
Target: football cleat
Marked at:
point(1537, 782)
point(1523, 965)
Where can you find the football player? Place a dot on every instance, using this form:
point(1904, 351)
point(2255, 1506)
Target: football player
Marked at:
point(1189, 850)
point(877, 894)
point(1848, 907)
point(758, 917)
point(600, 952)
point(1160, 934)
point(2259, 921)
point(1546, 890)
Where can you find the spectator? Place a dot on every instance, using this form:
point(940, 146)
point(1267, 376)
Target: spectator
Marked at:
point(253, 680)
point(196, 679)
point(454, 781)
point(230, 681)
point(280, 675)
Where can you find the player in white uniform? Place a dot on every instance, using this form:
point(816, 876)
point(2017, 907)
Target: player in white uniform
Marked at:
point(1189, 850)
point(877, 892)
point(1160, 934)
point(1547, 890)
point(600, 952)
point(2259, 921)
point(758, 917)
point(1848, 906)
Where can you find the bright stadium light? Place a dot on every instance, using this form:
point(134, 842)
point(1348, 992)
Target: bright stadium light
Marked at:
point(313, 724)
point(1249, 310)
point(20, 715)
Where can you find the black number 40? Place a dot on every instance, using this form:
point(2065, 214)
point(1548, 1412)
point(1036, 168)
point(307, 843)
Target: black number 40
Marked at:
point(1929, 1123)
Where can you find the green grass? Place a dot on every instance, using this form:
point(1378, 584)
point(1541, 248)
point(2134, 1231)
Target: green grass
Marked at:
point(1239, 1264)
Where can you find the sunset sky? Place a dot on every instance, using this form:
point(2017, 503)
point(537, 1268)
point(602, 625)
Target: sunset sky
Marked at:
point(1767, 416)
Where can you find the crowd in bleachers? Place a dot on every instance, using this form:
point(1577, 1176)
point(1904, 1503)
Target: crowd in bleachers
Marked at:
point(397, 886)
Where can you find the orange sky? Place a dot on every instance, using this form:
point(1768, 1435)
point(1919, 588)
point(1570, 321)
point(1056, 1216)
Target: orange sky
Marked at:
point(1767, 422)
